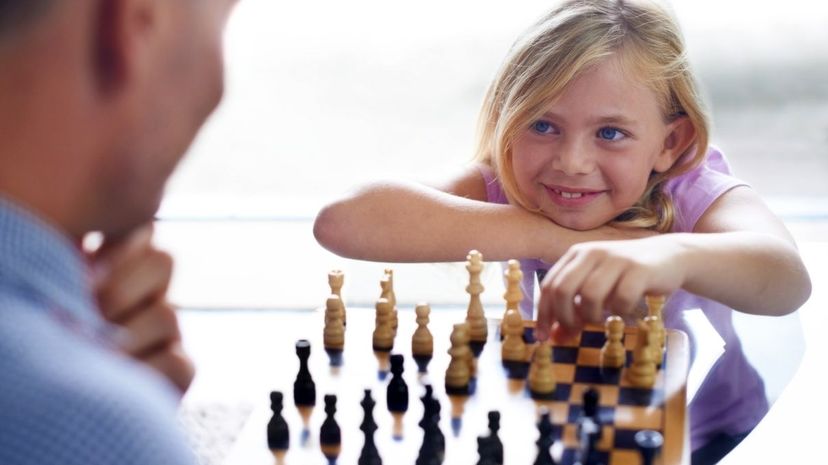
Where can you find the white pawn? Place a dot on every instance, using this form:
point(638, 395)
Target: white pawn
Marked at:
point(512, 349)
point(541, 372)
point(613, 354)
point(383, 338)
point(459, 371)
point(642, 371)
point(422, 342)
point(334, 333)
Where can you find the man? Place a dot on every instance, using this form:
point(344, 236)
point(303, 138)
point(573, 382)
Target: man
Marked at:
point(98, 101)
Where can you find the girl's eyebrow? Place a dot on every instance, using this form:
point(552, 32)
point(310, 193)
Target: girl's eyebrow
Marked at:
point(597, 120)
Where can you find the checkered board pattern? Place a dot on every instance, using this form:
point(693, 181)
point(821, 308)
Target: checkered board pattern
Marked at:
point(623, 408)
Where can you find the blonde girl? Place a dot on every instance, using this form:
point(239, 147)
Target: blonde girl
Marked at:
point(593, 167)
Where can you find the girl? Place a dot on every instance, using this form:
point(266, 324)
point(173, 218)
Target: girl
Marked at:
point(593, 166)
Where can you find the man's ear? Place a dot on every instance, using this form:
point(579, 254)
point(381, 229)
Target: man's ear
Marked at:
point(680, 136)
point(123, 39)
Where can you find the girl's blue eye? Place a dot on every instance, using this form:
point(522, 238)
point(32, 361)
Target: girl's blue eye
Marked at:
point(609, 133)
point(542, 127)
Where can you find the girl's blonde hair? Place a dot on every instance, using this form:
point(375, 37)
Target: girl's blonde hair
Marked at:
point(563, 44)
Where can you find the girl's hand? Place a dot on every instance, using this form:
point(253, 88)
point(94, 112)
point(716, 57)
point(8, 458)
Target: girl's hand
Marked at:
point(593, 277)
point(131, 278)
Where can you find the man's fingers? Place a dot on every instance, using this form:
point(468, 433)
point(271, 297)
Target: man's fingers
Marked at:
point(172, 362)
point(130, 288)
point(151, 328)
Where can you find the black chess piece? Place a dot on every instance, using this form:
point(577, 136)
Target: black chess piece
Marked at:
point(304, 389)
point(545, 439)
point(589, 429)
point(397, 393)
point(484, 451)
point(278, 434)
point(432, 451)
point(494, 440)
point(369, 454)
point(649, 444)
point(330, 437)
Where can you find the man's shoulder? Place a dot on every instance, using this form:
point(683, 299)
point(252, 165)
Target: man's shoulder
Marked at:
point(73, 402)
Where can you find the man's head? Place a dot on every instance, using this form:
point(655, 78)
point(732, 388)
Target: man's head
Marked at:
point(100, 100)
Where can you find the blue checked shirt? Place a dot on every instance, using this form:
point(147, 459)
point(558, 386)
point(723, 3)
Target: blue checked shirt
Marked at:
point(66, 395)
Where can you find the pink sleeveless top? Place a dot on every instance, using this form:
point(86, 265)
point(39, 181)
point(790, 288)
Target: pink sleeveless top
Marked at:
point(732, 397)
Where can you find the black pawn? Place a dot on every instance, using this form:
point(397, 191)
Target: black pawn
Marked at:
point(494, 440)
point(591, 399)
point(649, 443)
point(545, 440)
point(304, 389)
point(397, 393)
point(369, 454)
point(484, 451)
point(278, 434)
point(330, 437)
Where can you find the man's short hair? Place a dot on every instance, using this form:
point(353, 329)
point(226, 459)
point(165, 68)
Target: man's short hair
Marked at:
point(18, 15)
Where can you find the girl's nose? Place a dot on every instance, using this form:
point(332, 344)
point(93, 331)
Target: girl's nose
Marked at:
point(573, 159)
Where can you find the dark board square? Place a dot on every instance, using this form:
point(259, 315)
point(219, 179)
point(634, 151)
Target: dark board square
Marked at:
point(565, 355)
point(640, 397)
point(593, 339)
point(562, 392)
point(606, 414)
point(624, 438)
point(597, 375)
point(570, 456)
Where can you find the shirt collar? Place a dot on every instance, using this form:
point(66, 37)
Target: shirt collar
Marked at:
point(45, 264)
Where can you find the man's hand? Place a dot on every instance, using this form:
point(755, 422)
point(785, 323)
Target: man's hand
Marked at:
point(131, 279)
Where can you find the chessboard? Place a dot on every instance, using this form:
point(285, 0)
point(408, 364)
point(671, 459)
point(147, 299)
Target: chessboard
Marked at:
point(623, 409)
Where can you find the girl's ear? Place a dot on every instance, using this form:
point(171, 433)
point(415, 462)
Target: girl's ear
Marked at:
point(680, 136)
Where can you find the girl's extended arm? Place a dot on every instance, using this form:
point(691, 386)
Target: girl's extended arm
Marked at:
point(408, 222)
point(739, 254)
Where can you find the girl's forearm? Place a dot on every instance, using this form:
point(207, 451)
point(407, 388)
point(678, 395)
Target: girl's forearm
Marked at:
point(751, 272)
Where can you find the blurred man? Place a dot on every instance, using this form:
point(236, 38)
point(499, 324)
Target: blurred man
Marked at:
point(98, 101)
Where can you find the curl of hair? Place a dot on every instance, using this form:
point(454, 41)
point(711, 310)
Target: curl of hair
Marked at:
point(566, 42)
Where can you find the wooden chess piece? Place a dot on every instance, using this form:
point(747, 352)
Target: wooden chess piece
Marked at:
point(475, 316)
point(336, 278)
point(513, 349)
point(613, 354)
point(459, 372)
point(333, 335)
point(655, 308)
point(330, 436)
point(383, 338)
point(278, 433)
point(642, 371)
point(422, 342)
point(657, 328)
point(392, 298)
point(541, 373)
point(513, 295)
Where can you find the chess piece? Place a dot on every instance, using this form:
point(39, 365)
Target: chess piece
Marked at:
point(330, 437)
point(475, 316)
point(383, 338)
point(493, 445)
point(648, 443)
point(642, 371)
point(397, 391)
point(513, 349)
point(655, 308)
point(336, 278)
point(422, 342)
point(369, 454)
point(459, 372)
point(613, 354)
point(432, 450)
point(657, 328)
point(278, 434)
point(541, 373)
point(513, 295)
point(304, 389)
point(545, 439)
point(387, 284)
point(333, 335)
